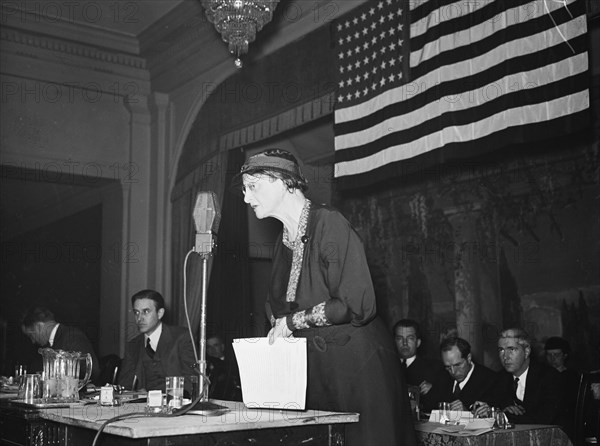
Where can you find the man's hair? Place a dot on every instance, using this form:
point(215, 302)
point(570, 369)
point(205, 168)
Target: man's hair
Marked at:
point(36, 314)
point(159, 301)
point(522, 337)
point(408, 323)
point(462, 344)
point(558, 343)
point(216, 336)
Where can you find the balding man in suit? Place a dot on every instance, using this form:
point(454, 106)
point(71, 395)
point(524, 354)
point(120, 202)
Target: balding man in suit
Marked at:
point(466, 380)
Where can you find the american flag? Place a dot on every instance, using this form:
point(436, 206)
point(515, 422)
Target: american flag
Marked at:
point(416, 76)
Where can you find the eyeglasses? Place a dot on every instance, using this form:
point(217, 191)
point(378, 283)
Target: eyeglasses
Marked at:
point(144, 312)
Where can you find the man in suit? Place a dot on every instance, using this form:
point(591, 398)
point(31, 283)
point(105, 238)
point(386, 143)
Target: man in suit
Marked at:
point(39, 325)
point(557, 354)
point(466, 380)
point(222, 371)
point(530, 392)
point(418, 371)
point(160, 350)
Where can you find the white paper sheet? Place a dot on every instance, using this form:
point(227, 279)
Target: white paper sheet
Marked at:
point(455, 416)
point(272, 376)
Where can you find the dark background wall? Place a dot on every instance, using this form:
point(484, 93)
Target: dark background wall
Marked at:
point(525, 227)
point(57, 266)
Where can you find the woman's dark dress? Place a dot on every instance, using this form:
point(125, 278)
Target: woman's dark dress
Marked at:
point(352, 364)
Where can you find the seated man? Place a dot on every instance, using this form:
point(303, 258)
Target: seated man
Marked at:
point(222, 371)
point(529, 392)
point(160, 350)
point(466, 380)
point(419, 371)
point(39, 326)
point(557, 354)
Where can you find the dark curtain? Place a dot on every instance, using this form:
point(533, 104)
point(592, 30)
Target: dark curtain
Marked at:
point(228, 300)
point(229, 305)
point(209, 176)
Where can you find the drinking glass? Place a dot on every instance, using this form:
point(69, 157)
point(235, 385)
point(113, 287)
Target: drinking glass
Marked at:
point(500, 419)
point(30, 387)
point(414, 396)
point(174, 390)
point(444, 409)
point(20, 371)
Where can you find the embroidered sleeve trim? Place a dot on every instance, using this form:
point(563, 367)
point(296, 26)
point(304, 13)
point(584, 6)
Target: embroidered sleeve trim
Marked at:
point(309, 318)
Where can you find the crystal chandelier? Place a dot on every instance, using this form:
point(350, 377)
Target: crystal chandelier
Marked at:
point(238, 21)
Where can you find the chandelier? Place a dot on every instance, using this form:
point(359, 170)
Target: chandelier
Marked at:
point(238, 21)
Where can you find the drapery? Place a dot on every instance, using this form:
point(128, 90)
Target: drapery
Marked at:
point(229, 301)
point(209, 176)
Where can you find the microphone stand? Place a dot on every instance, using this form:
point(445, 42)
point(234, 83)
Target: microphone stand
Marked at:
point(204, 247)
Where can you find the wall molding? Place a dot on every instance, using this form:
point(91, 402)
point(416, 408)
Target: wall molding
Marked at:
point(62, 25)
point(48, 43)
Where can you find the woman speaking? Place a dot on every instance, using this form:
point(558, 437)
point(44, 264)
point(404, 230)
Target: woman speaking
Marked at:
point(320, 289)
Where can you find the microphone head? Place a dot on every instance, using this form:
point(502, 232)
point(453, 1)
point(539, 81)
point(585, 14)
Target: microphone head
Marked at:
point(207, 215)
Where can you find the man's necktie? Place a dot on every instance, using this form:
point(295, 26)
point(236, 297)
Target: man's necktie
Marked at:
point(149, 349)
point(515, 387)
point(456, 392)
point(403, 364)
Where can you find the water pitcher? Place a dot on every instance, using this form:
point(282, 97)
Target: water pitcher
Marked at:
point(61, 374)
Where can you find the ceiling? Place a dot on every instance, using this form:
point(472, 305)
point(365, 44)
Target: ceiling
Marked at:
point(26, 197)
point(127, 17)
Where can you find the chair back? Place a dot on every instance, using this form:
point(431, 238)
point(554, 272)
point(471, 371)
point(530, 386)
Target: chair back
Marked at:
point(109, 369)
point(587, 408)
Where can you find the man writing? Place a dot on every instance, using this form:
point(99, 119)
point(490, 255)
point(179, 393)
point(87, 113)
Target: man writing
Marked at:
point(466, 380)
point(160, 350)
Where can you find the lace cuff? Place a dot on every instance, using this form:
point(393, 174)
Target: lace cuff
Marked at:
point(311, 317)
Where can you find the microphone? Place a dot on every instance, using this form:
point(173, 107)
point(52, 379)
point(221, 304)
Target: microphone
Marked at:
point(207, 218)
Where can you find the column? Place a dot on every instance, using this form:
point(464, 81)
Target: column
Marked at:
point(138, 218)
point(466, 280)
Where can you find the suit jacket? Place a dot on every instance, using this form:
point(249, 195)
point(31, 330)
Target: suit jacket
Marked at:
point(423, 369)
point(481, 386)
point(224, 376)
point(174, 350)
point(543, 395)
point(73, 339)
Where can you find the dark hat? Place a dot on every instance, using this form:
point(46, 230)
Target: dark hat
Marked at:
point(557, 343)
point(272, 161)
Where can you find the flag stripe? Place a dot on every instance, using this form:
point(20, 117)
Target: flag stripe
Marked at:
point(452, 96)
point(467, 153)
point(510, 102)
point(499, 58)
point(490, 22)
point(490, 67)
point(528, 114)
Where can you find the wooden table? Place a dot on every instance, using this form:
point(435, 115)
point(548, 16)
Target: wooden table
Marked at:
point(428, 434)
point(79, 423)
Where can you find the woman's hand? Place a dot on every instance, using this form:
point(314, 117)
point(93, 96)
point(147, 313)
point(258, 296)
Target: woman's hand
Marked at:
point(279, 330)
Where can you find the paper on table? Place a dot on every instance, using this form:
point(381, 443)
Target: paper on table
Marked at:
point(272, 376)
point(456, 416)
